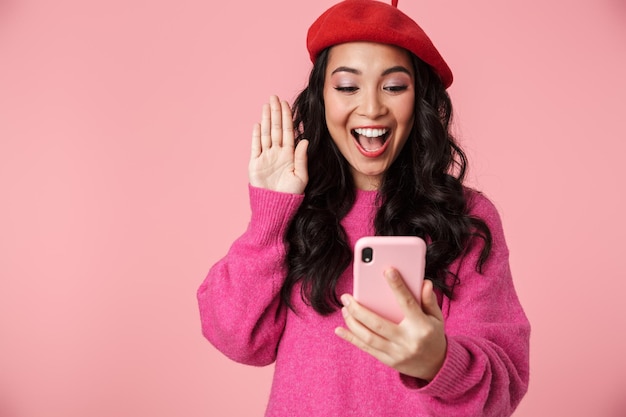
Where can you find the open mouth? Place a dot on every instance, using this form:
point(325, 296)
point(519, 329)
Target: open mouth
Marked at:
point(371, 142)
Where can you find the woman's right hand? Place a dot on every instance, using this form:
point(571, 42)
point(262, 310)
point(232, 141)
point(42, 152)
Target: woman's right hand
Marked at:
point(275, 163)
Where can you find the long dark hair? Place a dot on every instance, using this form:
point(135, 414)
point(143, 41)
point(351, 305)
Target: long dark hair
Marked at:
point(421, 194)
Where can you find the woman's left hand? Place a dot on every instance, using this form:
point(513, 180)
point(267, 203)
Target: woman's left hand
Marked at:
point(416, 346)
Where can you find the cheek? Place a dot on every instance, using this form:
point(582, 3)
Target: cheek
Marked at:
point(408, 109)
point(335, 117)
point(406, 116)
point(405, 119)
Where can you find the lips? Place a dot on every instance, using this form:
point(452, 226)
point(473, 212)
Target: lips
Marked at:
point(371, 141)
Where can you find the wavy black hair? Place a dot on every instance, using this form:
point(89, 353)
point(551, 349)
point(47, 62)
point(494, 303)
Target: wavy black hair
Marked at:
point(421, 194)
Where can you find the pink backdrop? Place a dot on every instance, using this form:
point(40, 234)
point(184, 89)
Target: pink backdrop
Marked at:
point(124, 132)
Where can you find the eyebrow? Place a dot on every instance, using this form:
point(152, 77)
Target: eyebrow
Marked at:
point(397, 68)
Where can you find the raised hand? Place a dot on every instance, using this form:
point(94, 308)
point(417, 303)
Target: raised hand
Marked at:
point(415, 347)
point(275, 164)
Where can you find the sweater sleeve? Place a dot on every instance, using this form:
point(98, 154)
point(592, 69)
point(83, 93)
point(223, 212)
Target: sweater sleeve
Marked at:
point(486, 370)
point(239, 300)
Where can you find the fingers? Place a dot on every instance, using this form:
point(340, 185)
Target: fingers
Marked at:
point(429, 301)
point(379, 353)
point(364, 323)
point(276, 127)
point(415, 347)
point(275, 163)
point(276, 122)
point(266, 120)
point(408, 303)
point(367, 330)
point(287, 118)
point(300, 161)
point(255, 149)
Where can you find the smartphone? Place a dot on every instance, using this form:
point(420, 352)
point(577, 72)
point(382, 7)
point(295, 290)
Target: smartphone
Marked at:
point(372, 256)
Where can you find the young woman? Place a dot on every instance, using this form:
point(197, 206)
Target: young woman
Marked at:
point(367, 151)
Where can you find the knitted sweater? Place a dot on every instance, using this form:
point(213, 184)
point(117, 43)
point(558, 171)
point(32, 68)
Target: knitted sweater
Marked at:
point(485, 372)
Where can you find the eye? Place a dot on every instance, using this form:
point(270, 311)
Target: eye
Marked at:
point(396, 88)
point(346, 89)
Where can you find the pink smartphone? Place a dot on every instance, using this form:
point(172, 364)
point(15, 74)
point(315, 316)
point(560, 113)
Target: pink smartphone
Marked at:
point(372, 256)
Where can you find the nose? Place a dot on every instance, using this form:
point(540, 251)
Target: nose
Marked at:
point(372, 104)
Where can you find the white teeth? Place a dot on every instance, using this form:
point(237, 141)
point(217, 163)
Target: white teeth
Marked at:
point(371, 133)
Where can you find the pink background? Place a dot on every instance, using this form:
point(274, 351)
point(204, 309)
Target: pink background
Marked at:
point(124, 134)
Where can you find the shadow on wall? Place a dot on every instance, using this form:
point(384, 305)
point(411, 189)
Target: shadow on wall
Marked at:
point(5, 9)
point(6, 411)
point(618, 406)
point(619, 410)
point(615, 406)
point(618, 5)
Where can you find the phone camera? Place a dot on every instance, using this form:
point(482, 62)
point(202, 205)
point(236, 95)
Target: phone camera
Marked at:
point(367, 254)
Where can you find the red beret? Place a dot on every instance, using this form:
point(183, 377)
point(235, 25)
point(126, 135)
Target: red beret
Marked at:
point(374, 21)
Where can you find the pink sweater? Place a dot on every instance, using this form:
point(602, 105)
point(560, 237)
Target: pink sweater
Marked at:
point(485, 372)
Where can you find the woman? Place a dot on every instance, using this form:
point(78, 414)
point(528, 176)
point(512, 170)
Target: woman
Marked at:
point(370, 154)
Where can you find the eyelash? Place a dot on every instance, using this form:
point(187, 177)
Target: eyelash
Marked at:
point(346, 89)
point(396, 88)
point(391, 89)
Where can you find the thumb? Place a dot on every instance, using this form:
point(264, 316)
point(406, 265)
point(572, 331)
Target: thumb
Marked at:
point(300, 161)
point(429, 300)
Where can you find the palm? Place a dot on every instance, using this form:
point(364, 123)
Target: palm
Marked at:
point(275, 163)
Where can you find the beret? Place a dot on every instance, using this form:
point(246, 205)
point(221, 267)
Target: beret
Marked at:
point(374, 21)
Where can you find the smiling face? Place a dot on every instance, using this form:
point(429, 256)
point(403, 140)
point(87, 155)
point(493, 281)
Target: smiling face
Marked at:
point(369, 92)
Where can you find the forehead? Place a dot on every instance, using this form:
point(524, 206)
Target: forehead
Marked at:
point(368, 57)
